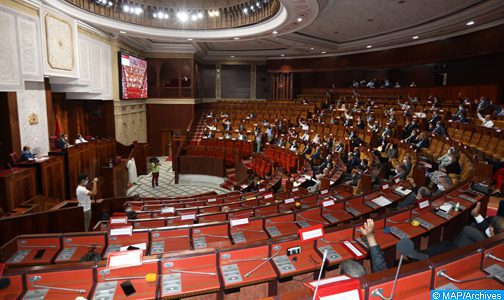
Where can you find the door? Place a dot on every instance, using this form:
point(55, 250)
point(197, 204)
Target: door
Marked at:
point(166, 142)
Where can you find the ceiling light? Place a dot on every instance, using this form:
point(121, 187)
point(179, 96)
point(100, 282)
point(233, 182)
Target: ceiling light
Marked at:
point(232, 56)
point(210, 13)
point(138, 10)
point(282, 55)
point(415, 37)
point(275, 32)
point(182, 16)
point(110, 3)
point(236, 38)
point(470, 23)
point(126, 8)
point(258, 4)
point(122, 31)
point(166, 16)
point(323, 52)
point(312, 48)
point(189, 39)
point(194, 17)
point(300, 19)
point(369, 46)
point(200, 15)
point(245, 10)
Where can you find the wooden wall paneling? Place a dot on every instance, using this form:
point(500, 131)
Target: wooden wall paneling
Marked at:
point(161, 117)
point(17, 185)
point(482, 42)
point(52, 176)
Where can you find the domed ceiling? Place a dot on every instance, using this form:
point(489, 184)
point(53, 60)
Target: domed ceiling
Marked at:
point(270, 29)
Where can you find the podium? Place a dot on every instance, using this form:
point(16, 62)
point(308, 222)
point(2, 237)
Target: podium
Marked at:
point(115, 181)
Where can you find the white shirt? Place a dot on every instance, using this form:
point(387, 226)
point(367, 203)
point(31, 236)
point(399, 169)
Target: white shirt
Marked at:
point(485, 123)
point(83, 197)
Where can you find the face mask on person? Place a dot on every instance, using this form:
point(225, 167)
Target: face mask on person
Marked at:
point(440, 187)
point(85, 182)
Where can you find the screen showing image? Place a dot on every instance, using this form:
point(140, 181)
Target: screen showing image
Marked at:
point(133, 73)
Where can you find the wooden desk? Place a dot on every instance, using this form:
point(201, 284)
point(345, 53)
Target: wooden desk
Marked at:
point(17, 185)
point(211, 166)
point(50, 175)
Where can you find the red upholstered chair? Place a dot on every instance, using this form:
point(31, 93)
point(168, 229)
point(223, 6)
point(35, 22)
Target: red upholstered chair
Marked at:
point(13, 158)
point(53, 141)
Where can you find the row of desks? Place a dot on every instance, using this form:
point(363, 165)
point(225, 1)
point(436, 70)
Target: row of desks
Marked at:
point(228, 270)
point(61, 248)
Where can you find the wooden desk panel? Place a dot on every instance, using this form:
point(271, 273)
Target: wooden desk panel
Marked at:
point(75, 279)
point(17, 185)
point(14, 290)
point(115, 181)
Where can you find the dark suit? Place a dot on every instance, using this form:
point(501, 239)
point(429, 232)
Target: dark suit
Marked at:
point(26, 155)
point(62, 143)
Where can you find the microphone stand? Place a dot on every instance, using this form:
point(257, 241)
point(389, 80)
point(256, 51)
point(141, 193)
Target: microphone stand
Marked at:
point(378, 292)
point(320, 274)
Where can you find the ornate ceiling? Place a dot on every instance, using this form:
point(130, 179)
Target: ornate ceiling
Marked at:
point(307, 28)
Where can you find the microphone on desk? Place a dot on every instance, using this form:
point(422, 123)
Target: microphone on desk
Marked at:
point(276, 248)
point(35, 279)
point(379, 292)
point(324, 257)
point(149, 277)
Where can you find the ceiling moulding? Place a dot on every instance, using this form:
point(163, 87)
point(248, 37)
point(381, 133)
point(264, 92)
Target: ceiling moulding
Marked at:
point(284, 22)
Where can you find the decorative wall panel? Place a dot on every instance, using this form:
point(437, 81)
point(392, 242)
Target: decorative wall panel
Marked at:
point(60, 45)
point(10, 77)
point(31, 103)
point(130, 122)
point(84, 68)
point(29, 48)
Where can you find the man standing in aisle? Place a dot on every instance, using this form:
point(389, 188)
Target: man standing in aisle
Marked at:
point(84, 197)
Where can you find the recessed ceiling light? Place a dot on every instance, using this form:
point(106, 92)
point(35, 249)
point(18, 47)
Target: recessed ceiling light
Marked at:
point(369, 46)
point(470, 23)
point(122, 31)
point(282, 55)
point(415, 37)
point(323, 52)
point(236, 38)
point(300, 19)
point(182, 16)
point(232, 56)
point(189, 39)
point(312, 48)
point(275, 32)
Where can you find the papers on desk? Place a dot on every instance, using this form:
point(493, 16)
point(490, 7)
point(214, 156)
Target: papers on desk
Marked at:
point(118, 220)
point(167, 210)
point(124, 259)
point(446, 207)
point(188, 217)
point(42, 159)
point(403, 191)
point(128, 230)
point(237, 222)
point(381, 201)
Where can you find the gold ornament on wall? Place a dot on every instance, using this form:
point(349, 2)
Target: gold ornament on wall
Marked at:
point(33, 119)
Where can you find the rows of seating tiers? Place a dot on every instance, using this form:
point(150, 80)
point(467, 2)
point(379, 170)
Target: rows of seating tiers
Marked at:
point(220, 148)
point(222, 248)
point(219, 235)
point(486, 142)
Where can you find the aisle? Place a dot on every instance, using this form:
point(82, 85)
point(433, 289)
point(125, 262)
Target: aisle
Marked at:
point(167, 186)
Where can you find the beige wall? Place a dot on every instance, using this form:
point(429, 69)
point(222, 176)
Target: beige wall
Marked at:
point(129, 116)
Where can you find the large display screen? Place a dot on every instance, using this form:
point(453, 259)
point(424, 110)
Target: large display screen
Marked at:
point(133, 77)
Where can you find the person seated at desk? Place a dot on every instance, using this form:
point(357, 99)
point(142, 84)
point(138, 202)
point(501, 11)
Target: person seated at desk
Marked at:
point(79, 139)
point(438, 129)
point(26, 154)
point(242, 137)
point(467, 236)
point(62, 143)
point(486, 121)
point(84, 197)
point(419, 193)
point(354, 269)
